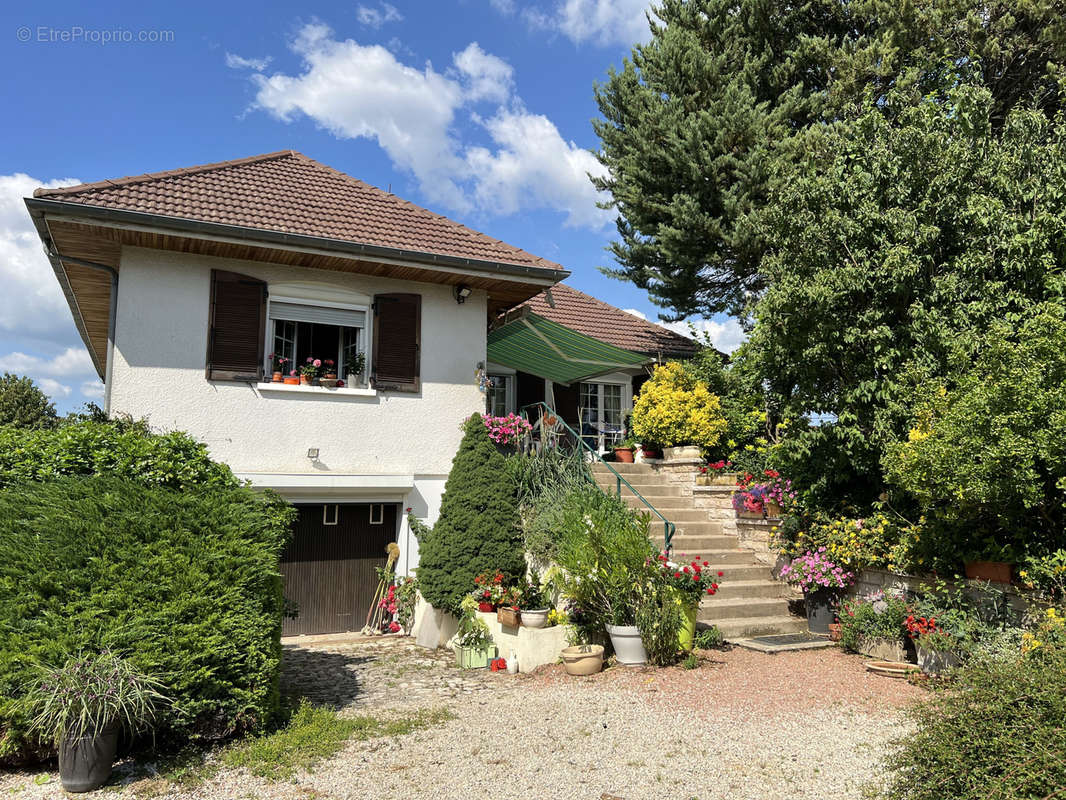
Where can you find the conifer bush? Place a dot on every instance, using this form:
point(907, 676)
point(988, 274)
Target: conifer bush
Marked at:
point(184, 585)
point(477, 530)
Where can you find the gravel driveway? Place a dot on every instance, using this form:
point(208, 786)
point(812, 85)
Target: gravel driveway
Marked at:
point(743, 725)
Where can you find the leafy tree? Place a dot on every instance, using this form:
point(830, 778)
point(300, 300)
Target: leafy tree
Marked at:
point(477, 530)
point(704, 121)
point(24, 405)
point(891, 245)
point(986, 453)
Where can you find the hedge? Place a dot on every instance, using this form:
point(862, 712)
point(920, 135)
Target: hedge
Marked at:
point(183, 583)
point(119, 448)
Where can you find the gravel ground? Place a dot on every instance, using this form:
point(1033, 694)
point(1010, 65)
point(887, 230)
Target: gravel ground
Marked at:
point(744, 725)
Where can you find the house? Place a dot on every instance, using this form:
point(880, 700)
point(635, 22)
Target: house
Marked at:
point(188, 286)
point(580, 356)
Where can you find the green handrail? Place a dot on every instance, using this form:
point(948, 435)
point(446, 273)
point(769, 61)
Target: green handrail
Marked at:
point(668, 527)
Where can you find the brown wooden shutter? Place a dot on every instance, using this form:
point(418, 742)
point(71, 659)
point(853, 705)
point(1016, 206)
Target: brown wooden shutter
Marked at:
point(237, 327)
point(395, 362)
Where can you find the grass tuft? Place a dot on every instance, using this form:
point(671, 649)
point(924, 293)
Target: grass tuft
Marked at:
point(315, 734)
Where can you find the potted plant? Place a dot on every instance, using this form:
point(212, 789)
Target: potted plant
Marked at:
point(309, 371)
point(489, 591)
point(874, 625)
point(691, 582)
point(472, 643)
point(762, 496)
point(935, 649)
point(582, 659)
point(623, 451)
point(84, 705)
point(534, 608)
point(679, 412)
point(329, 374)
point(355, 370)
point(620, 591)
point(507, 612)
point(652, 451)
point(277, 365)
point(716, 473)
point(292, 379)
point(821, 582)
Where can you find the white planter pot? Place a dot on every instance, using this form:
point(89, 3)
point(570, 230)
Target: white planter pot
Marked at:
point(934, 662)
point(686, 453)
point(628, 648)
point(534, 619)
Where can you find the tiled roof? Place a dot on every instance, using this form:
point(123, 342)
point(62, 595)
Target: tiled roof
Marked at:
point(585, 314)
point(291, 193)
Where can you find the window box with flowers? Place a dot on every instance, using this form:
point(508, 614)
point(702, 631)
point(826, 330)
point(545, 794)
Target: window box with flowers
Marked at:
point(875, 625)
point(762, 496)
point(718, 473)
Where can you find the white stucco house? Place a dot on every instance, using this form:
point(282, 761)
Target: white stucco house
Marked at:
point(183, 284)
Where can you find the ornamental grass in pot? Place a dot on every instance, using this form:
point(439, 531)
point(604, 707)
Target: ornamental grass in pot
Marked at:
point(821, 582)
point(84, 705)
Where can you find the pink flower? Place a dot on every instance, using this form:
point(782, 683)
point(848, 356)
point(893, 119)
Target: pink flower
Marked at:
point(317, 362)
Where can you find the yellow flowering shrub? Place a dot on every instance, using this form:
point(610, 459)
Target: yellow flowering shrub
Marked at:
point(876, 541)
point(1049, 632)
point(673, 409)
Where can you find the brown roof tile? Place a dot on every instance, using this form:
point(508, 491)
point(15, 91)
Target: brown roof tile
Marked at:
point(291, 193)
point(585, 314)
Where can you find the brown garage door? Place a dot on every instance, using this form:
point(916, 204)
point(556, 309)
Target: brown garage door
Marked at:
point(329, 570)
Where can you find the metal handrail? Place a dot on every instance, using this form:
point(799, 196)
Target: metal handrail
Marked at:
point(668, 527)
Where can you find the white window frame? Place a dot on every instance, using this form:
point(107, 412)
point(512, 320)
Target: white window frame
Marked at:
point(336, 516)
point(508, 391)
point(366, 336)
point(379, 518)
point(626, 403)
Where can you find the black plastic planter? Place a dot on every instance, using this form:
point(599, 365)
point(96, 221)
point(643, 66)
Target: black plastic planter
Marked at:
point(85, 761)
point(819, 611)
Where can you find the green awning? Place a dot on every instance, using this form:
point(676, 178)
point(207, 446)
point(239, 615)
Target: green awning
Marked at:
point(549, 350)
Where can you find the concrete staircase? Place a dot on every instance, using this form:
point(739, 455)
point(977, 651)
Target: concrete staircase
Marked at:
point(749, 602)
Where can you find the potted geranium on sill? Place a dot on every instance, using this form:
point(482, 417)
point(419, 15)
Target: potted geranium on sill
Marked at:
point(84, 705)
point(821, 582)
point(309, 371)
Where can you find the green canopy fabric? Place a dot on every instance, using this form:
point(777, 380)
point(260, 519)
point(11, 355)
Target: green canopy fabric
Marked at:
point(549, 350)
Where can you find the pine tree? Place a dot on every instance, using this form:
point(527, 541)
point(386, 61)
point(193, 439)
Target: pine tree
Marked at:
point(477, 530)
point(704, 120)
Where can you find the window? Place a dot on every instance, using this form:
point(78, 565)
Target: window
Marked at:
point(497, 396)
point(601, 414)
point(299, 331)
point(377, 514)
point(331, 514)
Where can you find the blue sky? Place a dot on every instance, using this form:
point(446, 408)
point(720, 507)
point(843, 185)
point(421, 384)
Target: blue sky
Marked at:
point(477, 109)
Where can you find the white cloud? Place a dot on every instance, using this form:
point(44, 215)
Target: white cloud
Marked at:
point(234, 61)
point(376, 17)
point(53, 388)
point(602, 22)
point(726, 336)
point(74, 361)
point(32, 302)
point(93, 389)
point(488, 77)
point(364, 91)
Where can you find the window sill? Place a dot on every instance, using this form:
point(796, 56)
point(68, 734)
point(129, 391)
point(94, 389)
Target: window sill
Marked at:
point(288, 387)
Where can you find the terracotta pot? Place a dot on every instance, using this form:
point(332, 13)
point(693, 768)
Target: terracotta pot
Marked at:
point(624, 454)
point(651, 452)
point(582, 659)
point(486, 608)
point(330, 376)
point(996, 571)
point(292, 380)
point(305, 380)
point(835, 631)
point(509, 617)
point(277, 377)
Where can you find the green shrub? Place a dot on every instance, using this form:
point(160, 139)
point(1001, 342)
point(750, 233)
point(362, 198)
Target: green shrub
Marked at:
point(997, 733)
point(119, 448)
point(184, 585)
point(543, 480)
point(877, 616)
point(478, 526)
point(23, 405)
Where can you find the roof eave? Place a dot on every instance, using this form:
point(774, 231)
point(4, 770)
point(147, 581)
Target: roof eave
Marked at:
point(514, 272)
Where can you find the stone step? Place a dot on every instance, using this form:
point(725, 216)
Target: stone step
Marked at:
point(692, 545)
point(675, 515)
point(746, 628)
point(624, 469)
point(713, 608)
point(708, 528)
point(660, 501)
point(731, 557)
point(610, 484)
point(738, 590)
point(741, 572)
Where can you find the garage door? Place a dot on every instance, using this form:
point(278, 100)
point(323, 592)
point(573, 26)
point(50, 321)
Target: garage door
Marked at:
point(329, 567)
